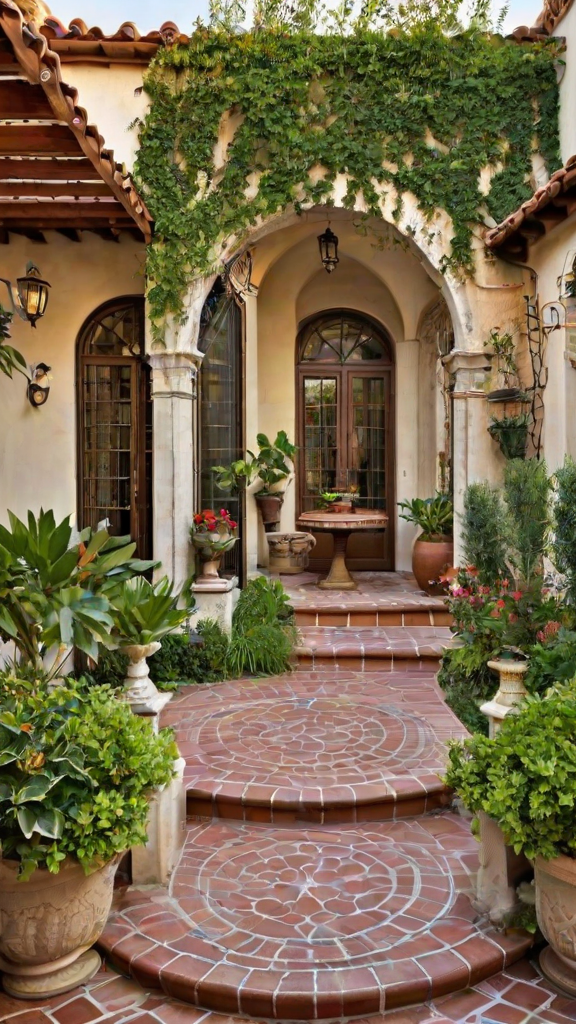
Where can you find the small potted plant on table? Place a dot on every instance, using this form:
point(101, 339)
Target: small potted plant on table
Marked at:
point(433, 549)
point(75, 779)
point(524, 779)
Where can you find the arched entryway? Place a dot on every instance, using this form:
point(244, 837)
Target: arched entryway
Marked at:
point(115, 422)
point(345, 433)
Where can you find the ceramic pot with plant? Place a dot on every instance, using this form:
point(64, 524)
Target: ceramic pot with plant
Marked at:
point(271, 466)
point(212, 534)
point(433, 550)
point(525, 780)
point(143, 614)
point(511, 433)
point(74, 759)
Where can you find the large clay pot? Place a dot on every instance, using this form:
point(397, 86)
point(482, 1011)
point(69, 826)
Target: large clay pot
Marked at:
point(556, 913)
point(47, 925)
point(289, 551)
point(429, 560)
point(270, 506)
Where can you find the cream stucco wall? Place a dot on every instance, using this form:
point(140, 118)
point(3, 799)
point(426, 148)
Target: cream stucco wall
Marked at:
point(567, 28)
point(113, 98)
point(38, 446)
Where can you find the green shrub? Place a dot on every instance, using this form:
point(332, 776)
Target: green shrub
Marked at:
point(179, 661)
point(76, 771)
point(484, 531)
point(527, 495)
point(525, 778)
point(564, 543)
point(263, 632)
point(467, 683)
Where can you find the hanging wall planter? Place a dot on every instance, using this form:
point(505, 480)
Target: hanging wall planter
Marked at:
point(507, 395)
point(511, 433)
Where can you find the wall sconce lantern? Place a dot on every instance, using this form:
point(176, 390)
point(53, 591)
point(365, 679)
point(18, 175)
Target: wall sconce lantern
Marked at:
point(328, 245)
point(38, 387)
point(31, 296)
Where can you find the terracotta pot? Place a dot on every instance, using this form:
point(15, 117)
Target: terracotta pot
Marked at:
point(429, 560)
point(47, 925)
point(270, 506)
point(289, 551)
point(341, 506)
point(556, 913)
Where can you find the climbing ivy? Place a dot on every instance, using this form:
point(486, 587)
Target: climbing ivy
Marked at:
point(420, 110)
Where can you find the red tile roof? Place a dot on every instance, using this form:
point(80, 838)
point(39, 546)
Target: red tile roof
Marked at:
point(126, 45)
point(550, 204)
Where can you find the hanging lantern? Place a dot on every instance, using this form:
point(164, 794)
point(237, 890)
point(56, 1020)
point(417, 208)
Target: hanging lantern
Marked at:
point(328, 245)
point(33, 294)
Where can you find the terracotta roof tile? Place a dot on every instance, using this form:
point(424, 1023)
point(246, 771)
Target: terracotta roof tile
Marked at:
point(561, 182)
point(126, 45)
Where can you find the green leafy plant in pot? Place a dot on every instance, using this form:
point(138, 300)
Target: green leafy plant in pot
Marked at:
point(525, 780)
point(271, 466)
point(76, 774)
point(433, 550)
point(511, 433)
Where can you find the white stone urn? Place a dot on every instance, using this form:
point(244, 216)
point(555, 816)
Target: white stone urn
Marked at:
point(139, 690)
point(48, 924)
point(289, 552)
point(510, 691)
point(556, 913)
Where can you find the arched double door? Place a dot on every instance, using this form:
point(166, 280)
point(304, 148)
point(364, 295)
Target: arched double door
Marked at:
point(345, 387)
point(115, 422)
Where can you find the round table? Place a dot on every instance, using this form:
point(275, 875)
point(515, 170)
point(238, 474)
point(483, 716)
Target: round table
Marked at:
point(341, 525)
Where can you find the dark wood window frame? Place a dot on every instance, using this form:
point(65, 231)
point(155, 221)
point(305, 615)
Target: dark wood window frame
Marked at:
point(140, 509)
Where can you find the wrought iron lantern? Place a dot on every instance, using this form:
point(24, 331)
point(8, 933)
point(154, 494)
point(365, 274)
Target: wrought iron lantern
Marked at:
point(31, 296)
point(328, 245)
point(39, 385)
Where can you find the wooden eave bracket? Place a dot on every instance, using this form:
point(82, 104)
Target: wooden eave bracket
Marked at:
point(42, 67)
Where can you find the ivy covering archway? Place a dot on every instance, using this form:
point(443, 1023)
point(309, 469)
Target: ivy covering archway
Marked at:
point(420, 112)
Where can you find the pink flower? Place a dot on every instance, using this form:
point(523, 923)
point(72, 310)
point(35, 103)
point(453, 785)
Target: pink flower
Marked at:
point(500, 603)
point(517, 595)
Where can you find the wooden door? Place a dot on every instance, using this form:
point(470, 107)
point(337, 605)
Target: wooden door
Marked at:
point(345, 426)
point(115, 423)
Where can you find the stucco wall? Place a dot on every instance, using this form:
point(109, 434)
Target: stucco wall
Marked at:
point(38, 446)
point(567, 28)
point(108, 94)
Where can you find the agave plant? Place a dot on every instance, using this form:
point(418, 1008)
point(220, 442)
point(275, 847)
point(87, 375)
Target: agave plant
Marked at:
point(144, 612)
point(54, 594)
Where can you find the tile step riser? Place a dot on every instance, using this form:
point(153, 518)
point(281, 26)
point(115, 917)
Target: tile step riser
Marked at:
point(331, 1004)
point(355, 619)
point(367, 663)
point(392, 810)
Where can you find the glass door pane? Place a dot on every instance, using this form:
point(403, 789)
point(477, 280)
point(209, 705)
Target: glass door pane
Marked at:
point(320, 437)
point(367, 440)
point(108, 445)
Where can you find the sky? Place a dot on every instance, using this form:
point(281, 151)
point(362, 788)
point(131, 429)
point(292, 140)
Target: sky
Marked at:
point(150, 14)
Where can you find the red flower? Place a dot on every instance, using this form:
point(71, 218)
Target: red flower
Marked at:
point(197, 518)
point(472, 570)
point(500, 603)
point(232, 524)
point(211, 526)
point(517, 595)
point(505, 583)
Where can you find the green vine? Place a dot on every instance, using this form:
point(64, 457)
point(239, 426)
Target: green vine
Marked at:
point(419, 110)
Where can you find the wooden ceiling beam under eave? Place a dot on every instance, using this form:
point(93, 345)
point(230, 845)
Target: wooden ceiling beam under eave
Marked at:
point(68, 214)
point(38, 140)
point(44, 170)
point(19, 99)
point(53, 189)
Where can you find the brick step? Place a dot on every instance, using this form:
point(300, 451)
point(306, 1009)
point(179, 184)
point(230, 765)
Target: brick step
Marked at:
point(308, 924)
point(373, 648)
point(315, 747)
point(409, 615)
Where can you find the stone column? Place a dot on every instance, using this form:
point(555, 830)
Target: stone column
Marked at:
point(173, 392)
point(407, 410)
point(472, 456)
point(251, 403)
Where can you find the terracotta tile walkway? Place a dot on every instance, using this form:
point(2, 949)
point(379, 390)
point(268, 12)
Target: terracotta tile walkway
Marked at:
point(313, 747)
point(323, 875)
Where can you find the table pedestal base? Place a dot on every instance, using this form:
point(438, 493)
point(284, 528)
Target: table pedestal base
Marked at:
point(339, 578)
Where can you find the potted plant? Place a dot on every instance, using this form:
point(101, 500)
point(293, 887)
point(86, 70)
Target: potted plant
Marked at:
point(503, 347)
point(511, 433)
point(271, 466)
point(212, 534)
point(143, 613)
point(524, 779)
point(433, 549)
point(75, 779)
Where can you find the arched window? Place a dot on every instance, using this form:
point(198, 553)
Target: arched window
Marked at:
point(220, 424)
point(346, 421)
point(115, 422)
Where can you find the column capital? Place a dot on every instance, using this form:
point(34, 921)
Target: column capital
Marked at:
point(469, 370)
point(173, 374)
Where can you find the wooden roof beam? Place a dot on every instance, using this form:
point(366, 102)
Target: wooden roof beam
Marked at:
point(46, 170)
point(53, 189)
point(37, 140)
point(22, 100)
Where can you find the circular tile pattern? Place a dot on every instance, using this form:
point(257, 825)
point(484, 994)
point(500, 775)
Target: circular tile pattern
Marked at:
point(313, 740)
point(297, 893)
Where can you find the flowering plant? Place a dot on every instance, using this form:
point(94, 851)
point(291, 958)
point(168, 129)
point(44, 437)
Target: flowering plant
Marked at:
point(213, 533)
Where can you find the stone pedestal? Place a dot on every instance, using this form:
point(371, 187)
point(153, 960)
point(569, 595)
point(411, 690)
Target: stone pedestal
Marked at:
point(215, 600)
point(153, 864)
point(510, 692)
point(501, 870)
point(140, 692)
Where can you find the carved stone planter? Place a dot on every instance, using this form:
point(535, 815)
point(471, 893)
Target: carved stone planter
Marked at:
point(289, 552)
point(47, 925)
point(501, 871)
point(139, 690)
point(510, 691)
point(556, 913)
